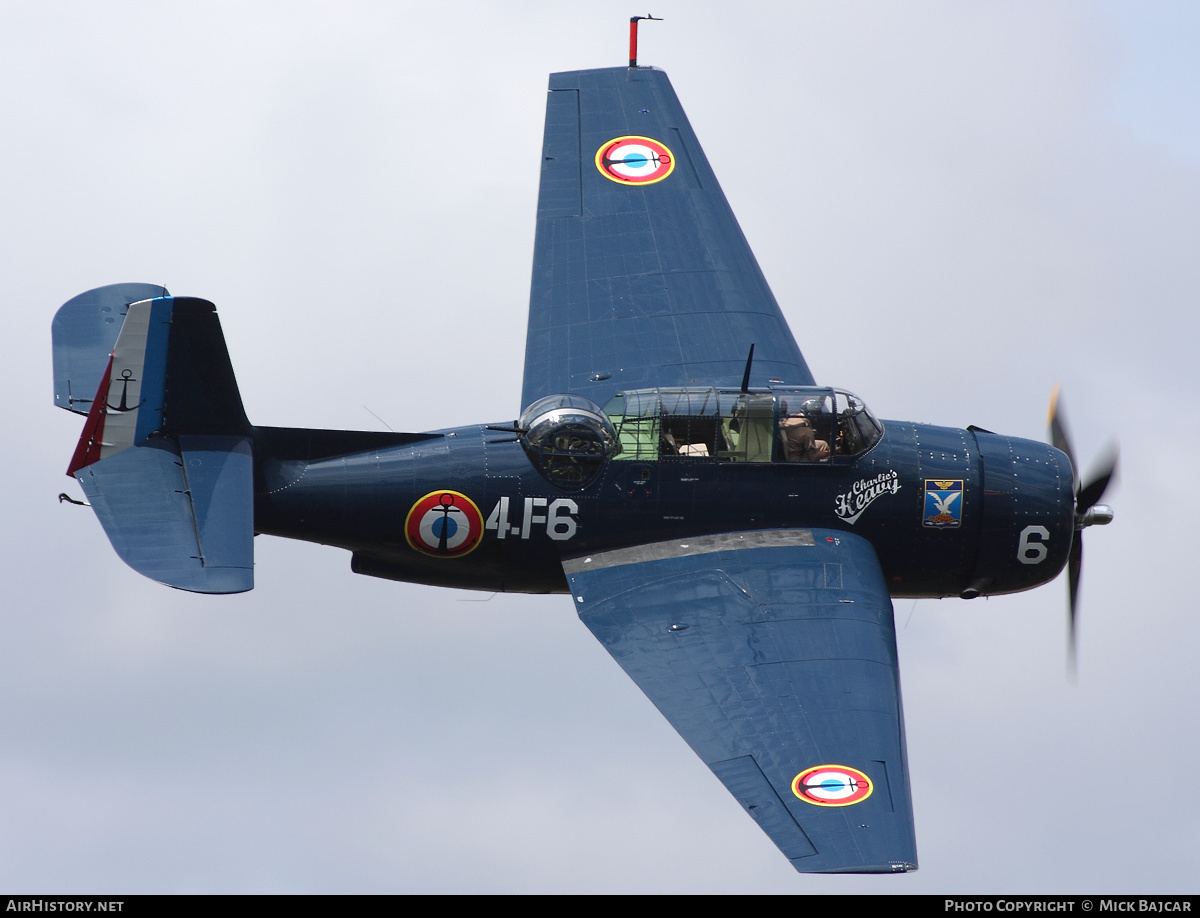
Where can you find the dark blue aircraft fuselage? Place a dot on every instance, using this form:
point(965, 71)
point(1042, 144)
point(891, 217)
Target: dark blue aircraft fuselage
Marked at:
point(1011, 531)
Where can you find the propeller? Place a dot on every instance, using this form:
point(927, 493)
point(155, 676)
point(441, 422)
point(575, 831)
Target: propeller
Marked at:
point(1088, 509)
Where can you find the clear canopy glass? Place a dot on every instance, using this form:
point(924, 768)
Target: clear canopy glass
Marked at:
point(777, 424)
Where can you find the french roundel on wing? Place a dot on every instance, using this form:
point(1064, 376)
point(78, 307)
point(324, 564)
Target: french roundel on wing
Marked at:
point(832, 785)
point(447, 524)
point(634, 160)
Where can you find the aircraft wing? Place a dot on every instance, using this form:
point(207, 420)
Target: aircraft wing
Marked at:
point(773, 654)
point(641, 274)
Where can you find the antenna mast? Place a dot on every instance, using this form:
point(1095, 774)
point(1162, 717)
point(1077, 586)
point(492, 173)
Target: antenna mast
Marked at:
point(633, 21)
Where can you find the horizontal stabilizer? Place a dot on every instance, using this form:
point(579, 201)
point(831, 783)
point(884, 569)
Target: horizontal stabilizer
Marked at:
point(84, 332)
point(180, 510)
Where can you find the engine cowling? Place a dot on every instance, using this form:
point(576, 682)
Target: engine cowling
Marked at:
point(1029, 514)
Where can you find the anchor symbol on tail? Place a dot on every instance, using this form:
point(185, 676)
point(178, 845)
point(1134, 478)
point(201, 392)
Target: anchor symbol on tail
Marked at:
point(126, 379)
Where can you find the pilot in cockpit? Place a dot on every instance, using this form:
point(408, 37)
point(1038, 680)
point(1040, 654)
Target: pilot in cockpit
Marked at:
point(798, 432)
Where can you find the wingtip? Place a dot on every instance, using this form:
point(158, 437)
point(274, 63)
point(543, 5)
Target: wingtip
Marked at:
point(887, 867)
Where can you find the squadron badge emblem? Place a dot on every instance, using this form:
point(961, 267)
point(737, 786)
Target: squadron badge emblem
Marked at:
point(943, 503)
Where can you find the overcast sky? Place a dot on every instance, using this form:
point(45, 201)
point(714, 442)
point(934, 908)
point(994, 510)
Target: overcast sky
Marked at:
point(958, 205)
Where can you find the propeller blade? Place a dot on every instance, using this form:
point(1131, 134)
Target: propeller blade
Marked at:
point(1087, 497)
point(1074, 568)
point(1056, 424)
point(1091, 493)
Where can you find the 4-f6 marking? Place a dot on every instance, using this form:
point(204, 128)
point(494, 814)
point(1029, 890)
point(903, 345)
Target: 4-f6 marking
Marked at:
point(558, 518)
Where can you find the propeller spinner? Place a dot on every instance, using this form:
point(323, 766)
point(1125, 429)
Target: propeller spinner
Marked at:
point(1088, 510)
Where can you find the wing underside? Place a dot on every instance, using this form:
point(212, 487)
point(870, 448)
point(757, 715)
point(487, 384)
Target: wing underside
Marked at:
point(773, 654)
point(641, 274)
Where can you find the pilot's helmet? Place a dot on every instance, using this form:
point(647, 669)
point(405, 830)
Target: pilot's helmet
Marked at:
point(813, 407)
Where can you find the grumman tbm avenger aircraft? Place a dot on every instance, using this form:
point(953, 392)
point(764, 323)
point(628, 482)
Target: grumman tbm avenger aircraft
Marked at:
point(730, 530)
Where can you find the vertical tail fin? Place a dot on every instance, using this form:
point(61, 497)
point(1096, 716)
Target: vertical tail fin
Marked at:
point(85, 330)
